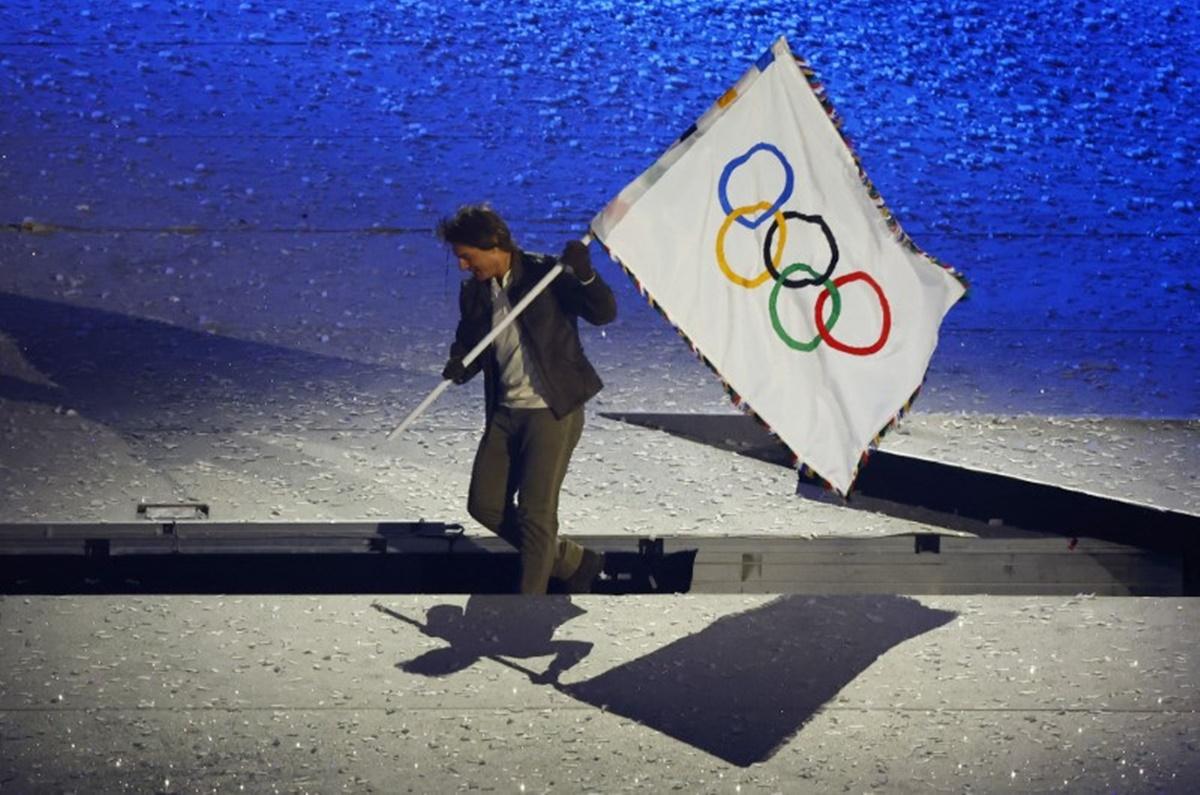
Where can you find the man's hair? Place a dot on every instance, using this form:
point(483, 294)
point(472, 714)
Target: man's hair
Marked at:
point(476, 225)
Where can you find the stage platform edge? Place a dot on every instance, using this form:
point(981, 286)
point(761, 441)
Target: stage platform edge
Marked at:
point(435, 557)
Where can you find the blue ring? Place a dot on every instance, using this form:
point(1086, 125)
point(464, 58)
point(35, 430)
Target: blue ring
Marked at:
point(774, 208)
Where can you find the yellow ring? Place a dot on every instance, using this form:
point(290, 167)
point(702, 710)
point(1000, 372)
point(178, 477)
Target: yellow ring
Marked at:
point(776, 255)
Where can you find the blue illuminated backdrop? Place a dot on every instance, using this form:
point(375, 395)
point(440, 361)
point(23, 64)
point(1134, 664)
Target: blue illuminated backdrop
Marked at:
point(265, 169)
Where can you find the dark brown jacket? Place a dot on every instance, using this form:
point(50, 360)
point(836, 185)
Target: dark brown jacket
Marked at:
point(549, 328)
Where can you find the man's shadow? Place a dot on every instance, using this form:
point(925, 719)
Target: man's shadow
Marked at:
point(497, 628)
point(738, 689)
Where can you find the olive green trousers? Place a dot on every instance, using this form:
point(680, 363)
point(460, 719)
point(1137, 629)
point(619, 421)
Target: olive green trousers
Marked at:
point(518, 472)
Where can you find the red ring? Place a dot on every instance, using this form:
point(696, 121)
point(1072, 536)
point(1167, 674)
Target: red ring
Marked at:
point(883, 303)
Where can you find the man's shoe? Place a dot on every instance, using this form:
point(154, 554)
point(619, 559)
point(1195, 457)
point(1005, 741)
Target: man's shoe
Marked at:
point(590, 566)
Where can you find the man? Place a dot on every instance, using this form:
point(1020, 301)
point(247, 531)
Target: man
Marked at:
point(536, 380)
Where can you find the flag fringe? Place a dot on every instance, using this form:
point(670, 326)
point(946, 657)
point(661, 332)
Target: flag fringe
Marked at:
point(889, 219)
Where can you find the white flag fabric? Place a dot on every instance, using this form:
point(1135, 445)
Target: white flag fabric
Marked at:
point(759, 237)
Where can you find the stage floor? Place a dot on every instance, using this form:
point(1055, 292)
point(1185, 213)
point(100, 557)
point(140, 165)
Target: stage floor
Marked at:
point(670, 693)
point(304, 465)
point(219, 283)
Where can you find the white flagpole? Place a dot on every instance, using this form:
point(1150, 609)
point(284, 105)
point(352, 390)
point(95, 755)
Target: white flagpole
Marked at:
point(483, 343)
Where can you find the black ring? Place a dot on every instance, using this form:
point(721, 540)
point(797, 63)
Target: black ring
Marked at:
point(833, 250)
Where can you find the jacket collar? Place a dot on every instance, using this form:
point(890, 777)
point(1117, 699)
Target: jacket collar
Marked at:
point(516, 285)
point(517, 274)
point(517, 268)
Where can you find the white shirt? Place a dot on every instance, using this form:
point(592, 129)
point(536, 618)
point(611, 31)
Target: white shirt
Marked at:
point(520, 386)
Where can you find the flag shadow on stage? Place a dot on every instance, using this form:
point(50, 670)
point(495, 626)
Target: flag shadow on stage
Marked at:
point(744, 685)
point(738, 689)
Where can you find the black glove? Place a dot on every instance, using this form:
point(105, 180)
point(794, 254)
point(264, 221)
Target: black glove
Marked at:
point(455, 371)
point(576, 259)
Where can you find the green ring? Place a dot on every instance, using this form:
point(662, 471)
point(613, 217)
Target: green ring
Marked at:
point(812, 344)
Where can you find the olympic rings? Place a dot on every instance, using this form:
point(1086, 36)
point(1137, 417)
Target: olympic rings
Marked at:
point(773, 260)
point(772, 209)
point(830, 289)
point(883, 304)
point(772, 255)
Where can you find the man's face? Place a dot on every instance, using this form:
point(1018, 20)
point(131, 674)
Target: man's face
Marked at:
point(483, 263)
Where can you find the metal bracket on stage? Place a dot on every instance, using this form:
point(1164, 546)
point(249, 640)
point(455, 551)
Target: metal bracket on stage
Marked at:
point(167, 514)
point(171, 512)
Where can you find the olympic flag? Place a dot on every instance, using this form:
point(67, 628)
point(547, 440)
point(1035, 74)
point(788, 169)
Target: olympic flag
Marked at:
point(758, 235)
